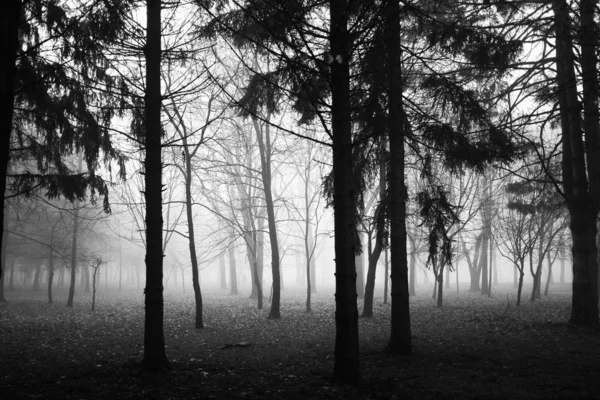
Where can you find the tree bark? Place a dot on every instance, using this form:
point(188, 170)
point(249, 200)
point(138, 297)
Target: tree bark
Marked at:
point(400, 338)
point(549, 277)
point(386, 276)
point(413, 266)
point(9, 39)
point(232, 271)
point(74, 241)
point(360, 282)
point(264, 149)
point(3, 257)
point(474, 270)
point(222, 272)
point(346, 367)
point(374, 256)
point(155, 358)
point(199, 323)
point(582, 202)
point(50, 275)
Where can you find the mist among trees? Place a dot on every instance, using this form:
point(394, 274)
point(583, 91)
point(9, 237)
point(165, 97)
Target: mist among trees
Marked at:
point(354, 199)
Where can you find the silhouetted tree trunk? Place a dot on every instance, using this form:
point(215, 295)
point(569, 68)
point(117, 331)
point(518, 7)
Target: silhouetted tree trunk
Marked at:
point(520, 284)
point(400, 338)
point(580, 162)
point(474, 270)
point(74, 242)
point(4, 256)
point(562, 265)
point(360, 282)
point(376, 253)
point(9, 42)
point(413, 265)
point(155, 358)
point(549, 277)
point(199, 323)
point(346, 362)
point(386, 277)
point(440, 285)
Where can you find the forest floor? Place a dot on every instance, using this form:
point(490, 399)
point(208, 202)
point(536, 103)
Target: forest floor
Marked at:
point(473, 348)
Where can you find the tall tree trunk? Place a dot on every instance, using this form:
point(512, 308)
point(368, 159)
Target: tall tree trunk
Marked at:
point(489, 293)
point(562, 265)
point(549, 277)
point(264, 149)
point(520, 284)
point(50, 275)
point(413, 265)
point(232, 271)
point(120, 265)
point(474, 270)
point(11, 279)
point(386, 276)
point(199, 323)
point(360, 282)
point(440, 285)
point(400, 338)
point(313, 262)
point(346, 361)
point(9, 39)
point(582, 202)
point(374, 256)
point(155, 358)
point(74, 241)
point(4, 256)
point(222, 272)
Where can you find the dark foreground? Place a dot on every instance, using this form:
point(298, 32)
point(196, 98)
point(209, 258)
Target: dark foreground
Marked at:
point(473, 348)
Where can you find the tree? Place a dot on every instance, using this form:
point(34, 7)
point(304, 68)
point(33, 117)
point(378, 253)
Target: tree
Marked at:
point(580, 162)
point(50, 74)
point(95, 261)
point(155, 358)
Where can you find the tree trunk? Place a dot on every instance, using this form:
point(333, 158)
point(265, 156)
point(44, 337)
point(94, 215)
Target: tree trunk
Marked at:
point(483, 263)
point(374, 256)
point(400, 338)
point(74, 242)
point(155, 358)
point(489, 293)
point(440, 284)
point(50, 275)
point(520, 285)
point(386, 277)
point(474, 270)
point(346, 361)
point(232, 271)
point(313, 261)
point(199, 323)
point(413, 264)
point(11, 280)
point(9, 39)
point(36, 277)
point(582, 202)
point(562, 266)
point(360, 282)
point(222, 272)
point(94, 287)
point(549, 277)
point(3, 257)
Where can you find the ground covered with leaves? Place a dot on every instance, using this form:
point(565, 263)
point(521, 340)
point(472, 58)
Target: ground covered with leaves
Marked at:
point(474, 347)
